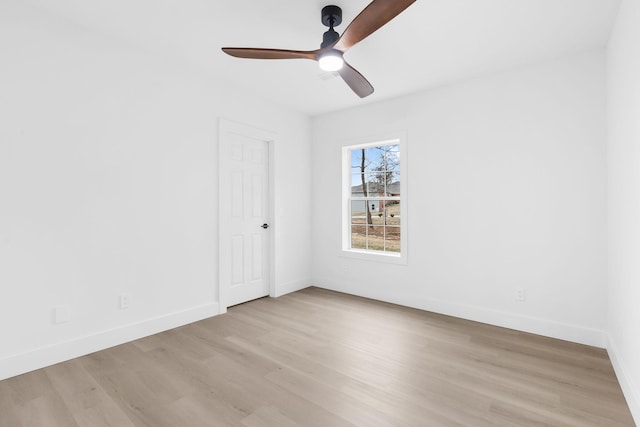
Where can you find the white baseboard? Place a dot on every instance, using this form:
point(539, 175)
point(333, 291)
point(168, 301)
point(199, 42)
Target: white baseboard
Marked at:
point(287, 288)
point(60, 352)
point(631, 391)
point(548, 328)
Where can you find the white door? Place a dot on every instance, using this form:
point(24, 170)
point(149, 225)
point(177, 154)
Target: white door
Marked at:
point(244, 214)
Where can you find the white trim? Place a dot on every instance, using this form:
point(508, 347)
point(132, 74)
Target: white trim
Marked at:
point(388, 257)
point(271, 144)
point(229, 126)
point(630, 390)
point(287, 288)
point(534, 325)
point(399, 138)
point(46, 356)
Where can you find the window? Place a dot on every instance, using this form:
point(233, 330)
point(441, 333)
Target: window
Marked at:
point(373, 220)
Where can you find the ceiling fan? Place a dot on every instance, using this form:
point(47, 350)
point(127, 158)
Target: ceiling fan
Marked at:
point(333, 47)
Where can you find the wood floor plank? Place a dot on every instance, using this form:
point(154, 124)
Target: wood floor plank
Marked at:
point(267, 416)
point(321, 359)
point(88, 403)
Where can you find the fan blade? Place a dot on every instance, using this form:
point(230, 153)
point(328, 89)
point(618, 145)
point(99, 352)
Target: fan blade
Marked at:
point(374, 16)
point(255, 53)
point(356, 81)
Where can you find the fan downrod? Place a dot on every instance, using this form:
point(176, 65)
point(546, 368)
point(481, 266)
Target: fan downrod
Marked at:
point(331, 17)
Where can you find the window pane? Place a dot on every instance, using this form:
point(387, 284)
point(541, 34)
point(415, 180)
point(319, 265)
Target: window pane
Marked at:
point(358, 237)
point(393, 184)
point(356, 186)
point(371, 209)
point(392, 157)
point(358, 212)
point(372, 158)
point(375, 238)
point(393, 189)
point(356, 159)
point(378, 212)
point(377, 218)
point(370, 189)
point(392, 210)
point(392, 238)
point(376, 182)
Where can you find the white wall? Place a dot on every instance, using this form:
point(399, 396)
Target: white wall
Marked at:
point(623, 154)
point(506, 177)
point(108, 185)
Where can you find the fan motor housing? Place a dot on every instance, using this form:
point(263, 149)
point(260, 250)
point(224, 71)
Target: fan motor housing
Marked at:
point(331, 16)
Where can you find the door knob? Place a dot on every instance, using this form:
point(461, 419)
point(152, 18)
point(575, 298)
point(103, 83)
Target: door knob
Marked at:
point(265, 226)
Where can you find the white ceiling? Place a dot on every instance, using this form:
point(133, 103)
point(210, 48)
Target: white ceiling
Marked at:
point(431, 43)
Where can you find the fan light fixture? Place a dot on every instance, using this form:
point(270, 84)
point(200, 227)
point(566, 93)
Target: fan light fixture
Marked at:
point(331, 61)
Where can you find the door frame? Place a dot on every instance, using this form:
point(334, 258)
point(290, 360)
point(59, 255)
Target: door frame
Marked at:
point(226, 126)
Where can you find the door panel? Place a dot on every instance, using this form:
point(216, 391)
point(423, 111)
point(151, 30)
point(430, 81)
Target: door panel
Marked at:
point(244, 205)
point(237, 251)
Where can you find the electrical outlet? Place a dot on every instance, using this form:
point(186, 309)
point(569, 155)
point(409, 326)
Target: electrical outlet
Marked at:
point(124, 301)
point(521, 294)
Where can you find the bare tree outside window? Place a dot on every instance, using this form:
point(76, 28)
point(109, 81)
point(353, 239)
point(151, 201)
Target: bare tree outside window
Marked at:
point(365, 190)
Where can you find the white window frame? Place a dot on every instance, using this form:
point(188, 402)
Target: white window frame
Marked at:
point(370, 254)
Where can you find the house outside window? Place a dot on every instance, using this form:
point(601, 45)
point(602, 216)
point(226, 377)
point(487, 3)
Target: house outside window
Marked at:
point(374, 194)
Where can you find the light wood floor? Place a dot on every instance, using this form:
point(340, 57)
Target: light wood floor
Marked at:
point(320, 358)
